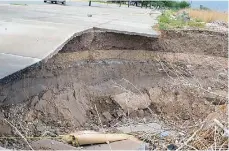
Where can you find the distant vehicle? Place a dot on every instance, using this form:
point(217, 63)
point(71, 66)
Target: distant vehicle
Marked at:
point(56, 1)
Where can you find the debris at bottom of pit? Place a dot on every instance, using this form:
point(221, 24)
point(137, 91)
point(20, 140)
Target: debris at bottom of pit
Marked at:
point(120, 145)
point(48, 144)
point(171, 147)
point(151, 127)
point(5, 128)
point(1, 148)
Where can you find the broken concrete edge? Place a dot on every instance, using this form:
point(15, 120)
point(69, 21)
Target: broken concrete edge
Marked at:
point(94, 29)
point(45, 59)
point(17, 74)
point(127, 32)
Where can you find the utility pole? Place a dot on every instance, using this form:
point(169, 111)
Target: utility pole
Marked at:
point(89, 3)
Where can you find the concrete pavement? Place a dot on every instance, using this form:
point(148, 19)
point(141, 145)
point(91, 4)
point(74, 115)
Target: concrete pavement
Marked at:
point(30, 33)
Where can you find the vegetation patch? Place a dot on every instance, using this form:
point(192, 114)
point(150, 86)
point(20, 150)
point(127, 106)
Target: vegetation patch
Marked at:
point(207, 15)
point(170, 19)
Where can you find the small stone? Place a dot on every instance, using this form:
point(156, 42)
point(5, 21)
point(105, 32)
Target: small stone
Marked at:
point(40, 127)
point(41, 105)
point(171, 147)
point(120, 113)
point(130, 102)
point(181, 134)
point(47, 95)
point(120, 145)
point(1, 148)
point(144, 120)
point(164, 134)
point(189, 66)
point(107, 115)
point(4, 127)
point(34, 101)
point(222, 76)
point(141, 113)
point(133, 114)
point(48, 144)
point(185, 116)
point(154, 147)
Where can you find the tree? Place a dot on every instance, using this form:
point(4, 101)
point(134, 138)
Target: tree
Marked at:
point(184, 4)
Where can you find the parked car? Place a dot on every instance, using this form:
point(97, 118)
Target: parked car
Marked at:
point(56, 1)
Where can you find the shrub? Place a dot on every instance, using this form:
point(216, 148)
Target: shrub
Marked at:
point(173, 4)
point(184, 4)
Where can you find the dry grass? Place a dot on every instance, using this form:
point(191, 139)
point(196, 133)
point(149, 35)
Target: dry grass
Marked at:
point(207, 15)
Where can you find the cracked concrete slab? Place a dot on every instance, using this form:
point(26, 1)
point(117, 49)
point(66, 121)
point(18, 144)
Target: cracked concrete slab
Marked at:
point(33, 32)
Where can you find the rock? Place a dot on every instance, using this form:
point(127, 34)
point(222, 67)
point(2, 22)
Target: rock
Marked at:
point(155, 94)
point(107, 115)
point(218, 97)
point(132, 102)
point(120, 145)
point(2, 98)
point(1, 148)
point(220, 23)
point(219, 115)
point(40, 127)
point(164, 134)
point(34, 101)
point(209, 119)
point(223, 76)
point(120, 113)
point(64, 109)
point(184, 115)
point(141, 113)
point(47, 95)
point(5, 128)
point(150, 127)
point(171, 147)
point(48, 144)
point(41, 105)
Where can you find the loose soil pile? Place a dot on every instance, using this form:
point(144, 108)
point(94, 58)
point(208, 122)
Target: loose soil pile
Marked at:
point(105, 80)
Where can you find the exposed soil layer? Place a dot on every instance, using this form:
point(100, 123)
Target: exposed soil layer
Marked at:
point(179, 77)
point(191, 41)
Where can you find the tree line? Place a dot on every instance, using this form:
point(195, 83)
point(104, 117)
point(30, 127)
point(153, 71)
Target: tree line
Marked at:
point(157, 4)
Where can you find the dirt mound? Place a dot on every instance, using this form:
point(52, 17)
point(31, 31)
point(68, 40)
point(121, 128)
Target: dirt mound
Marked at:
point(103, 78)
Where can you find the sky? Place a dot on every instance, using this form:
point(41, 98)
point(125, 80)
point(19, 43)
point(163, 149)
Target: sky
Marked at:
point(219, 5)
point(214, 5)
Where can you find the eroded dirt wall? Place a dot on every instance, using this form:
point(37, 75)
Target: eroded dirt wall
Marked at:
point(191, 41)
